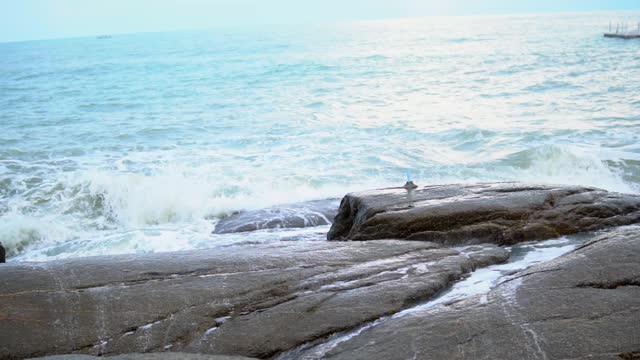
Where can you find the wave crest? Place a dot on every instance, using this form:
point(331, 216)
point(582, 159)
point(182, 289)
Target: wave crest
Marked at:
point(135, 200)
point(571, 165)
point(19, 231)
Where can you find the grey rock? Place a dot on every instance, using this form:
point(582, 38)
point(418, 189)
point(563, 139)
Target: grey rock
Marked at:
point(252, 300)
point(306, 214)
point(149, 356)
point(501, 213)
point(584, 305)
point(2, 254)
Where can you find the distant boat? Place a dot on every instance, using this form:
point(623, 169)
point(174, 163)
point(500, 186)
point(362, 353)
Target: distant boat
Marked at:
point(622, 32)
point(103, 37)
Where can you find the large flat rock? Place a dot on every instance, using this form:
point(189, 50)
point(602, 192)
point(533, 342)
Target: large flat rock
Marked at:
point(584, 305)
point(501, 213)
point(149, 356)
point(251, 300)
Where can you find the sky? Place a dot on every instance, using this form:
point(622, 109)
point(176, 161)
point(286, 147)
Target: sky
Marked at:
point(44, 19)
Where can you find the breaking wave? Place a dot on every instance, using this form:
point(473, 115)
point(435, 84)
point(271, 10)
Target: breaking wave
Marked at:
point(105, 205)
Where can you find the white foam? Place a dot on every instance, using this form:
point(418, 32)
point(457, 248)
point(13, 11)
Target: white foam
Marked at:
point(576, 165)
point(174, 194)
point(144, 204)
point(136, 199)
point(19, 232)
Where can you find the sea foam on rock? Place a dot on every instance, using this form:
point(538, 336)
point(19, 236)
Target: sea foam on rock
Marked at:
point(306, 214)
point(500, 213)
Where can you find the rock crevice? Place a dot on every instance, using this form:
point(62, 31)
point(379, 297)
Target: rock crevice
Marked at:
point(581, 305)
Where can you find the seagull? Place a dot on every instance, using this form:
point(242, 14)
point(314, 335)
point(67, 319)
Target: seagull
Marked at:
point(409, 185)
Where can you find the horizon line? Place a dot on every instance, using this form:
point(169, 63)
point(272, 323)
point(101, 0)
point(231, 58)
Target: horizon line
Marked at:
point(319, 23)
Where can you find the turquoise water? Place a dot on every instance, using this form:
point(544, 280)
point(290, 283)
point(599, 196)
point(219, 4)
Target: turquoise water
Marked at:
point(140, 142)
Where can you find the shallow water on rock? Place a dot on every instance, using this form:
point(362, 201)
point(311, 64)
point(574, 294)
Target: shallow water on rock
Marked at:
point(167, 239)
point(478, 283)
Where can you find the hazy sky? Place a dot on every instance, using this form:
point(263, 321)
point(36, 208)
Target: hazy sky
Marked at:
point(41, 19)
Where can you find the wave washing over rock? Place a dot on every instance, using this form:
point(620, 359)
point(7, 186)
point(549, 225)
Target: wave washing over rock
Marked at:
point(375, 299)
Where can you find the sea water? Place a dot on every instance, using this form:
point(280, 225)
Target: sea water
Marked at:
point(141, 142)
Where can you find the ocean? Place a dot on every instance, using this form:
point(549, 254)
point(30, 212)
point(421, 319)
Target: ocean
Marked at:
point(142, 142)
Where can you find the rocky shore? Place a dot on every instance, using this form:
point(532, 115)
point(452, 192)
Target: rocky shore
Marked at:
point(267, 300)
point(252, 301)
point(584, 305)
point(500, 213)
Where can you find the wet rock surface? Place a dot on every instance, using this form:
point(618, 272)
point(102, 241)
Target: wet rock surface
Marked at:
point(252, 300)
point(150, 356)
point(307, 214)
point(500, 213)
point(262, 300)
point(584, 305)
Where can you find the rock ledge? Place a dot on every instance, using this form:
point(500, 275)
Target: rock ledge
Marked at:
point(500, 213)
